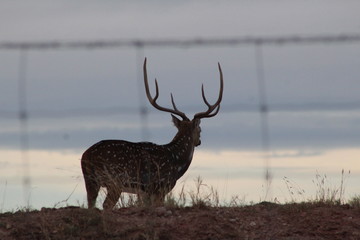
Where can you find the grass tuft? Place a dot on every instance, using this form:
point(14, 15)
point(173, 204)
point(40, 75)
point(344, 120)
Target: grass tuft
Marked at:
point(201, 196)
point(204, 195)
point(294, 190)
point(328, 193)
point(354, 201)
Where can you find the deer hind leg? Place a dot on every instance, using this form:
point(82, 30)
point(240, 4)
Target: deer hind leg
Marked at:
point(92, 190)
point(91, 184)
point(143, 199)
point(112, 197)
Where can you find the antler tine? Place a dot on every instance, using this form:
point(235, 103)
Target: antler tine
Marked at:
point(153, 100)
point(156, 89)
point(173, 103)
point(203, 96)
point(216, 105)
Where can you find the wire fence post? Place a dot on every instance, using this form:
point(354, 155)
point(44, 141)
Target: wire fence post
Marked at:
point(263, 109)
point(23, 119)
point(143, 111)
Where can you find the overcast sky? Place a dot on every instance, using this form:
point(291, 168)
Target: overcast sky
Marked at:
point(76, 97)
point(40, 20)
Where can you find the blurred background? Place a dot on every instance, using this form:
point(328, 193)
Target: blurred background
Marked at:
point(71, 75)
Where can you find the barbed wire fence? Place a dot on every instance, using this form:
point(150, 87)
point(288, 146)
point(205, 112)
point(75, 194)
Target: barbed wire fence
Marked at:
point(258, 43)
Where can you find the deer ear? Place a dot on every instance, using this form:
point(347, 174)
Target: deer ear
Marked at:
point(175, 120)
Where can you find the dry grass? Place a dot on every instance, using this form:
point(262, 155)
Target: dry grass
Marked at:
point(191, 206)
point(327, 192)
point(294, 190)
point(354, 201)
point(200, 194)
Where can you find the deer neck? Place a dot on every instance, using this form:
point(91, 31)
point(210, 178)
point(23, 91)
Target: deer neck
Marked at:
point(182, 147)
point(181, 150)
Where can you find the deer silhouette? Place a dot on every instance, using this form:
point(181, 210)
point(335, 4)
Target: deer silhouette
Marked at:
point(144, 168)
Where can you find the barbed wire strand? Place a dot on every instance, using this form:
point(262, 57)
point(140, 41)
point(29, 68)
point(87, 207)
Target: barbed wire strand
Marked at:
point(139, 45)
point(193, 42)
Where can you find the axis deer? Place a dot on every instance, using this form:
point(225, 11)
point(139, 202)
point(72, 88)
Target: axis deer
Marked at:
point(144, 168)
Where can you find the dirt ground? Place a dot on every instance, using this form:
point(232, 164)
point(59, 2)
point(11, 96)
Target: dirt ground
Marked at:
point(262, 221)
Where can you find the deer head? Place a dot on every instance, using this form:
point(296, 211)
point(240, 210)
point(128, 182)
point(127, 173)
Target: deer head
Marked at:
point(144, 168)
point(185, 123)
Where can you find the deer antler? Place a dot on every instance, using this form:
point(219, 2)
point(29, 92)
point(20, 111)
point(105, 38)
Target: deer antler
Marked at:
point(210, 112)
point(153, 100)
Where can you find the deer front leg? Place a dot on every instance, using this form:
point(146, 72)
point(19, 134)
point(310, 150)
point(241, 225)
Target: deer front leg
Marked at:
point(112, 197)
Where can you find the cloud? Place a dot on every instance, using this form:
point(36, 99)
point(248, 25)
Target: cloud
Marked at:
point(141, 19)
point(296, 154)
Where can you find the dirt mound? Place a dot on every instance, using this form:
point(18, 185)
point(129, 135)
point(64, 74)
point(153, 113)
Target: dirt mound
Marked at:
point(262, 221)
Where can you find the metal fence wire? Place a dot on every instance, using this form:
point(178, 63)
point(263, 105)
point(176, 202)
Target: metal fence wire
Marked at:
point(25, 48)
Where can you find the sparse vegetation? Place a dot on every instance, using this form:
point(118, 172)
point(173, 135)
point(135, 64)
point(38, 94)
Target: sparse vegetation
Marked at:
point(202, 196)
point(197, 213)
point(354, 201)
point(294, 190)
point(326, 192)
